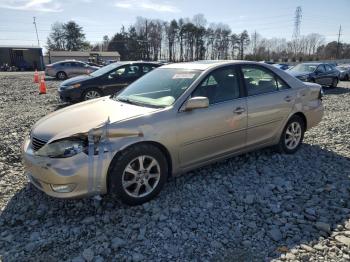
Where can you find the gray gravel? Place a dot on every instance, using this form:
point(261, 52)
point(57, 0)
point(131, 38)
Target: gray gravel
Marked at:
point(260, 206)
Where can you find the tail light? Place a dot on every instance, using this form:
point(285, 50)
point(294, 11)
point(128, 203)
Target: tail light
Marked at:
point(320, 94)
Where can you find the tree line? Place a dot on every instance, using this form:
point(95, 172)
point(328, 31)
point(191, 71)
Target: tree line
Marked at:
point(188, 39)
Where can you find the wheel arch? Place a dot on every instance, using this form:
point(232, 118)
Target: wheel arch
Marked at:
point(161, 147)
point(302, 116)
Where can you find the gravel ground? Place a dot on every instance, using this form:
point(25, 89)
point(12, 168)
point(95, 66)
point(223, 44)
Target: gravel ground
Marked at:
point(260, 206)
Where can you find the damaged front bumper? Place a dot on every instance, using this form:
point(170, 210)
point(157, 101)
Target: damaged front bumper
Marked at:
point(72, 177)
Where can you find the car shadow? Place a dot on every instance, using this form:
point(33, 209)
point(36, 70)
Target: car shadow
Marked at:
point(53, 79)
point(339, 90)
point(240, 209)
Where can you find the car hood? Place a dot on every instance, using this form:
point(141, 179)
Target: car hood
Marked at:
point(296, 74)
point(82, 117)
point(75, 80)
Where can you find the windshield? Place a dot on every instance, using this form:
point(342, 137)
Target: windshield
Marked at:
point(304, 68)
point(161, 87)
point(105, 69)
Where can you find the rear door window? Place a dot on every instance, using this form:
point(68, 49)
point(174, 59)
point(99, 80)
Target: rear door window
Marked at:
point(328, 68)
point(259, 80)
point(147, 68)
point(321, 69)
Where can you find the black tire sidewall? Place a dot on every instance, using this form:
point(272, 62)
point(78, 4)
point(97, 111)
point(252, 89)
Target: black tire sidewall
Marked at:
point(90, 89)
point(119, 163)
point(282, 146)
point(60, 78)
point(334, 83)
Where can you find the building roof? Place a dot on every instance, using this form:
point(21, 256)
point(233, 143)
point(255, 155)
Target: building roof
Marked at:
point(20, 46)
point(82, 53)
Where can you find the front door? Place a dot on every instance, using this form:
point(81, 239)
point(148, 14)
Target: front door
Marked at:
point(269, 102)
point(211, 132)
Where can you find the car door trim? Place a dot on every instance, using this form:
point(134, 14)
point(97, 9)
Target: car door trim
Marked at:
point(212, 137)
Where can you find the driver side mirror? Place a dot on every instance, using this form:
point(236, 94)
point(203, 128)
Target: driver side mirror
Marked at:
point(196, 103)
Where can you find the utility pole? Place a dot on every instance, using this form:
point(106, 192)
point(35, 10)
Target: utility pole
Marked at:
point(296, 32)
point(338, 44)
point(255, 44)
point(36, 30)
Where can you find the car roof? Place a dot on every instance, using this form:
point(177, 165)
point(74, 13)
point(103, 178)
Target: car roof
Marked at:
point(206, 64)
point(315, 64)
point(136, 62)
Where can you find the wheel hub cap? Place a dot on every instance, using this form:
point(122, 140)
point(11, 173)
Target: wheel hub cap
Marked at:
point(293, 135)
point(141, 176)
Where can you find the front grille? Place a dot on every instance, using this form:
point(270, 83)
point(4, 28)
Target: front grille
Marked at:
point(37, 143)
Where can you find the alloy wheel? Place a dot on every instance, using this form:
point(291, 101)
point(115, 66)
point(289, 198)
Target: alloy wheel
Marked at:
point(293, 135)
point(141, 176)
point(92, 94)
point(61, 76)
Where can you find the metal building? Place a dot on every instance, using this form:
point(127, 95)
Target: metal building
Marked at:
point(85, 56)
point(22, 57)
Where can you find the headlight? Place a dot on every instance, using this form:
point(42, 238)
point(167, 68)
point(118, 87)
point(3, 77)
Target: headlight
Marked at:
point(71, 86)
point(62, 148)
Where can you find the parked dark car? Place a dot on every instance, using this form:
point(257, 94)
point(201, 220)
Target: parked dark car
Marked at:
point(104, 81)
point(281, 66)
point(344, 72)
point(68, 68)
point(320, 73)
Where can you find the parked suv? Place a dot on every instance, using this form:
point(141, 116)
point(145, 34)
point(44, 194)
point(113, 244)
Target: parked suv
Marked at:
point(320, 73)
point(105, 81)
point(69, 68)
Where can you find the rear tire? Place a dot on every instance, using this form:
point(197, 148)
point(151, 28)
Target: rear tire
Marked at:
point(347, 78)
point(61, 75)
point(292, 135)
point(334, 83)
point(136, 183)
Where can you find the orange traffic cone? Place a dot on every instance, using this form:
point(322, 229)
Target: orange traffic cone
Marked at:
point(36, 76)
point(42, 87)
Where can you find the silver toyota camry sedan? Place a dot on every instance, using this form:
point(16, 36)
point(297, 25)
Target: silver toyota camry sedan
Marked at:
point(174, 119)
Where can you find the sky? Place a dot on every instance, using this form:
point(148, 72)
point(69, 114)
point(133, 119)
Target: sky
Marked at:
point(270, 18)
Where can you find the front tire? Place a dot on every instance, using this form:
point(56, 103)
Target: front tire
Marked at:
point(138, 174)
point(91, 93)
point(292, 135)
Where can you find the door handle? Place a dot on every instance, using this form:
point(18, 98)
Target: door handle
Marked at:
point(288, 99)
point(239, 110)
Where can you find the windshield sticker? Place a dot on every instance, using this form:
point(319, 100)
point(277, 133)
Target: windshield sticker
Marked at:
point(184, 76)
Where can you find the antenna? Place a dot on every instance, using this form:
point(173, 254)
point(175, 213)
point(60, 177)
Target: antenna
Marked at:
point(36, 30)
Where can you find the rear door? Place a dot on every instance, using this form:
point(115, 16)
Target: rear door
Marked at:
point(204, 134)
point(330, 74)
point(269, 102)
point(321, 75)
